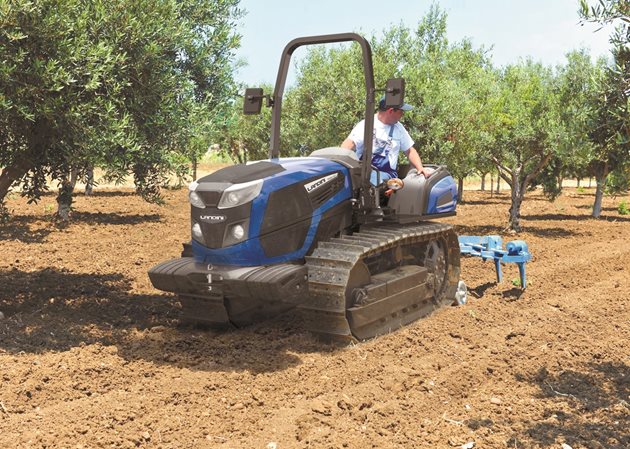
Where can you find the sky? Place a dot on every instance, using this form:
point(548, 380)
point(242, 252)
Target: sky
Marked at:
point(544, 30)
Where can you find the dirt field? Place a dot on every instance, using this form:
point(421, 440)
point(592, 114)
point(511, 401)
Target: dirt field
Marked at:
point(91, 356)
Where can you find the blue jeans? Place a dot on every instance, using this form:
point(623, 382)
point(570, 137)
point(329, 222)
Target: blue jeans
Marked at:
point(384, 176)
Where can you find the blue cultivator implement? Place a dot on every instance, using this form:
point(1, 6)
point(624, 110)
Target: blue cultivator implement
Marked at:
point(491, 247)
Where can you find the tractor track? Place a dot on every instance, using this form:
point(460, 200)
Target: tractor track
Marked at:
point(332, 276)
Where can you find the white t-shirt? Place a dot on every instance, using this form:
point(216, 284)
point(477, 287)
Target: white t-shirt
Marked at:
point(385, 150)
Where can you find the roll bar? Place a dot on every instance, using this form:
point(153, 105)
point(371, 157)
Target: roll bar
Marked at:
point(368, 72)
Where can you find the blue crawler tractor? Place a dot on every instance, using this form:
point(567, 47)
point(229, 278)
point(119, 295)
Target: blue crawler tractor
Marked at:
point(314, 233)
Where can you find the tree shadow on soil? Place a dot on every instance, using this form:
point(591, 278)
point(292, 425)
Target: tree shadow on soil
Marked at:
point(55, 310)
point(478, 230)
point(563, 217)
point(500, 231)
point(113, 218)
point(112, 193)
point(589, 207)
point(19, 228)
point(589, 408)
point(552, 233)
point(269, 346)
point(482, 202)
point(513, 294)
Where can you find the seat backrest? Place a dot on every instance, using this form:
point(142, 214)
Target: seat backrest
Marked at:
point(335, 151)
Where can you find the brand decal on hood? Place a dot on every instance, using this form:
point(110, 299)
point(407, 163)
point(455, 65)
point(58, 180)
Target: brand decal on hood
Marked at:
point(319, 182)
point(212, 218)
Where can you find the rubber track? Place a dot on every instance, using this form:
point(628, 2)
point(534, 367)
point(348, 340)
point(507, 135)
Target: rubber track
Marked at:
point(330, 265)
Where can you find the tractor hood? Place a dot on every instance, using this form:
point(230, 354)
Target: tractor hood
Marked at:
point(273, 207)
point(237, 174)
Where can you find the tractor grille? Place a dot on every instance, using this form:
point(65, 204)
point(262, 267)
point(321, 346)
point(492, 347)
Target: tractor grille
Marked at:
point(210, 198)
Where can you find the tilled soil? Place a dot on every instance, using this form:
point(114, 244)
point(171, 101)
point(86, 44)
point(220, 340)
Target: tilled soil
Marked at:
point(91, 356)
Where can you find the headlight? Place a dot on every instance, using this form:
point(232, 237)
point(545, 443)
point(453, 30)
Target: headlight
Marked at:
point(238, 232)
point(196, 232)
point(195, 199)
point(238, 194)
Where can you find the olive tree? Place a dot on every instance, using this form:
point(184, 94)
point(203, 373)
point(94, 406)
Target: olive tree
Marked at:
point(529, 129)
point(609, 127)
point(575, 84)
point(125, 84)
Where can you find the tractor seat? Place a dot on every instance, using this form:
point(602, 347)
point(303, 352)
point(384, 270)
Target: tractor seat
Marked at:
point(334, 152)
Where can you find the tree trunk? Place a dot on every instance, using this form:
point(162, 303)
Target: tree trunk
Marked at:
point(89, 183)
point(9, 175)
point(194, 167)
point(601, 176)
point(498, 184)
point(578, 182)
point(518, 192)
point(491, 185)
point(64, 198)
point(74, 175)
point(483, 182)
point(460, 190)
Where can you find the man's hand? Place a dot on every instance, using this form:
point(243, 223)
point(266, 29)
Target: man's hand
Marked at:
point(414, 158)
point(426, 172)
point(348, 144)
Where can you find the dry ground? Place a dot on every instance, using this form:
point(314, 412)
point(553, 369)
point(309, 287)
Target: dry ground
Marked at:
point(92, 356)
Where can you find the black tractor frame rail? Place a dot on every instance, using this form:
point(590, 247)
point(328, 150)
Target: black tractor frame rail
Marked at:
point(368, 72)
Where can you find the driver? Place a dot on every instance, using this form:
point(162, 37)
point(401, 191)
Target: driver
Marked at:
point(390, 137)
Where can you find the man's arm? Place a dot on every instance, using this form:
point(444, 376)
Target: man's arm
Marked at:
point(415, 160)
point(348, 144)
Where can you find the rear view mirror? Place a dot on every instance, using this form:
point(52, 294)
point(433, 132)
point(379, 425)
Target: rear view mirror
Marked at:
point(252, 103)
point(395, 93)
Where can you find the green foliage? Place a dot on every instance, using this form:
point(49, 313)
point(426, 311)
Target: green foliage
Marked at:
point(577, 87)
point(452, 124)
point(574, 86)
point(449, 86)
point(605, 11)
point(623, 208)
point(528, 114)
point(528, 128)
point(550, 178)
point(609, 126)
point(215, 156)
point(516, 282)
point(618, 181)
point(130, 85)
point(327, 101)
point(534, 124)
point(242, 138)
